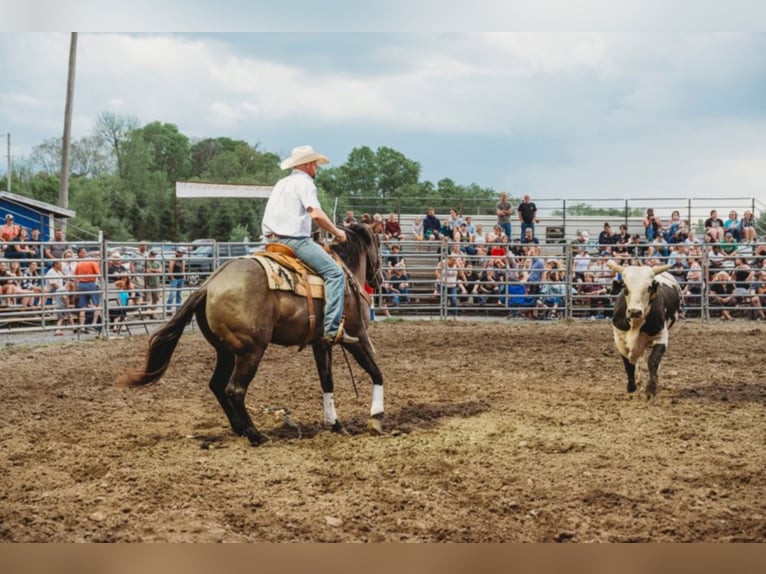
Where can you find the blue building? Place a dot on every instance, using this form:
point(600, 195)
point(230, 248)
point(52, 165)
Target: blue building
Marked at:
point(32, 214)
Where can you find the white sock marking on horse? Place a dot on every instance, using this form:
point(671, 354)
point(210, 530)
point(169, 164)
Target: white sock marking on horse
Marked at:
point(377, 400)
point(329, 409)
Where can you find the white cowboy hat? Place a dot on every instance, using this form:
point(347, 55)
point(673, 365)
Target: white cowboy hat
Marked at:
point(303, 154)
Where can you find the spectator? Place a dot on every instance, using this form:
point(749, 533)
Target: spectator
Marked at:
point(153, 279)
point(713, 227)
point(86, 274)
point(472, 282)
point(479, 237)
point(747, 230)
point(349, 219)
point(593, 296)
point(177, 275)
point(469, 225)
point(606, 239)
point(55, 249)
point(114, 267)
point(722, 294)
point(366, 219)
point(377, 224)
point(529, 237)
point(35, 243)
point(445, 231)
point(651, 225)
point(32, 284)
point(10, 286)
point(465, 239)
point(9, 231)
point(675, 223)
point(431, 225)
point(447, 275)
point(758, 294)
point(392, 229)
point(693, 290)
point(731, 225)
point(553, 292)
point(503, 209)
point(729, 245)
point(527, 215)
point(454, 220)
point(59, 287)
point(19, 248)
point(399, 285)
point(417, 229)
point(581, 263)
point(489, 287)
point(536, 270)
point(395, 257)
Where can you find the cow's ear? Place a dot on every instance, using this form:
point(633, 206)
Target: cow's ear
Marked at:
point(653, 288)
point(617, 286)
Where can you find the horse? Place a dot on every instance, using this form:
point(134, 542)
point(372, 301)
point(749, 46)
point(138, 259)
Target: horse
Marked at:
point(240, 316)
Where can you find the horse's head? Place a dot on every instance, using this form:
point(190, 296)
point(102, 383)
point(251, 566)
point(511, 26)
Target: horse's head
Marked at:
point(362, 246)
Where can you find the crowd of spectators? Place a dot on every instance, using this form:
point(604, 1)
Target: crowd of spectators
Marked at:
point(68, 281)
point(489, 267)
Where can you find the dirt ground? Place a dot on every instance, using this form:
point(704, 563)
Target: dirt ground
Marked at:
point(494, 432)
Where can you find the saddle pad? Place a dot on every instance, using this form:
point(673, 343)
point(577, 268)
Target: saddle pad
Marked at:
point(282, 279)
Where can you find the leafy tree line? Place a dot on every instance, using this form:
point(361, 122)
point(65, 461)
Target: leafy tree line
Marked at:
point(123, 182)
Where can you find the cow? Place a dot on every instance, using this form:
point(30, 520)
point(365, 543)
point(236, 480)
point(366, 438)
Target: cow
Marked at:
point(649, 303)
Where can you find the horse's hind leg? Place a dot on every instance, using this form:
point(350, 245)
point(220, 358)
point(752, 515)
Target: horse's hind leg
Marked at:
point(224, 367)
point(245, 367)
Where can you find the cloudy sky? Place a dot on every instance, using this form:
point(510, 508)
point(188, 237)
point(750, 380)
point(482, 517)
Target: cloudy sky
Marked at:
point(630, 113)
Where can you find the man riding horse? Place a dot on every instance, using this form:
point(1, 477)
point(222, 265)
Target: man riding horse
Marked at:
point(291, 208)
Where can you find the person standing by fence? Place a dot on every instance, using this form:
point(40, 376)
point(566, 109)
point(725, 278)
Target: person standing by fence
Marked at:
point(504, 210)
point(527, 215)
point(177, 275)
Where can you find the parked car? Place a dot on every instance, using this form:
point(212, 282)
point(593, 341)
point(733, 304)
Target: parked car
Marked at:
point(206, 257)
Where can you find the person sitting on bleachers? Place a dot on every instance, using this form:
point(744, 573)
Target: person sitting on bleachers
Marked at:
point(731, 225)
point(431, 225)
point(391, 228)
point(722, 295)
point(606, 239)
point(32, 285)
point(747, 230)
point(399, 286)
point(713, 227)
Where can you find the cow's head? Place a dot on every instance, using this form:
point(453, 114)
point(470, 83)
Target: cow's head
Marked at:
point(639, 287)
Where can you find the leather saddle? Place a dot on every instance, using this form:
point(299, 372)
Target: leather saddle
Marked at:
point(285, 272)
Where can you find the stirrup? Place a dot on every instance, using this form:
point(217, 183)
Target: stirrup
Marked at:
point(340, 337)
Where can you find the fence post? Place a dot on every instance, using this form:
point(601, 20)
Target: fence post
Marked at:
point(568, 282)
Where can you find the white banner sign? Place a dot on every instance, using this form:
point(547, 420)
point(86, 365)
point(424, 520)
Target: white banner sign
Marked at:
point(188, 189)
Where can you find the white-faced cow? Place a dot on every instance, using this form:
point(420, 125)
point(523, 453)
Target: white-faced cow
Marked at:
point(649, 303)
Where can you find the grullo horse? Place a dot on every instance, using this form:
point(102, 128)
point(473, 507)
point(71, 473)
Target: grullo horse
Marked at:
point(239, 316)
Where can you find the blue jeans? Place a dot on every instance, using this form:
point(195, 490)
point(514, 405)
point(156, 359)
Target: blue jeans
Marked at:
point(525, 226)
point(506, 227)
point(312, 254)
point(175, 292)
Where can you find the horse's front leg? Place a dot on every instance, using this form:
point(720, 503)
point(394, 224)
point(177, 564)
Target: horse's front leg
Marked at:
point(323, 359)
point(365, 356)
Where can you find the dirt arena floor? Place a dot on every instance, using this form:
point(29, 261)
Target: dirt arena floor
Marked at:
point(494, 432)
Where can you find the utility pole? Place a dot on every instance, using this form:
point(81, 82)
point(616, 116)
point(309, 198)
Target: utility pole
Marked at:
point(9, 161)
point(66, 142)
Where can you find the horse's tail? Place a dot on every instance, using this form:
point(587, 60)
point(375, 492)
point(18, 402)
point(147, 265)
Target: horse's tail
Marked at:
point(162, 344)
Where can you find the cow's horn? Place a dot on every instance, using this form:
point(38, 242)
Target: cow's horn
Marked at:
point(614, 267)
point(657, 269)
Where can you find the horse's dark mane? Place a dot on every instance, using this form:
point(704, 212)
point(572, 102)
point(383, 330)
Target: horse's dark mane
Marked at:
point(358, 239)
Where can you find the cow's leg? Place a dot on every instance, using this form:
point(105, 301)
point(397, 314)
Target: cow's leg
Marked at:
point(654, 365)
point(630, 369)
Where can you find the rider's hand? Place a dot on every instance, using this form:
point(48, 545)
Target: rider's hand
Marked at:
point(341, 236)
